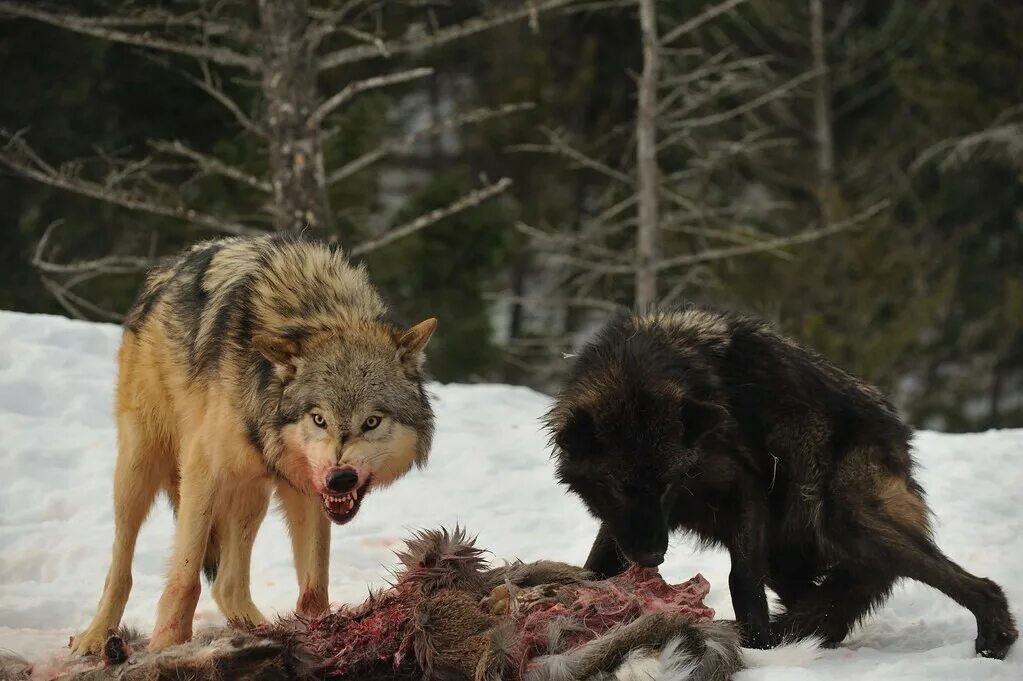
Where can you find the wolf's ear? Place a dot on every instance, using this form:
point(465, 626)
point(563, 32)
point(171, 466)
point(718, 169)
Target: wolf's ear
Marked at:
point(412, 341)
point(578, 434)
point(699, 419)
point(282, 353)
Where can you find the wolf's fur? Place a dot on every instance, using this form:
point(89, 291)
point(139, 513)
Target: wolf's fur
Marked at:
point(248, 366)
point(715, 424)
point(684, 650)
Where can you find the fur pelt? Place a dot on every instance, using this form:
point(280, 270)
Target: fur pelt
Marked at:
point(450, 616)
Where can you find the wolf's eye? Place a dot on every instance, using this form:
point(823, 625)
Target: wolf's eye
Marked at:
point(370, 423)
point(319, 421)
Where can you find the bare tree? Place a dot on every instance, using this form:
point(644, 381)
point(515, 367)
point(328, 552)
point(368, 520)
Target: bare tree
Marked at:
point(647, 172)
point(275, 59)
point(822, 114)
point(677, 203)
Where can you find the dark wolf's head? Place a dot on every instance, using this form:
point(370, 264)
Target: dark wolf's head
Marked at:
point(627, 428)
point(353, 412)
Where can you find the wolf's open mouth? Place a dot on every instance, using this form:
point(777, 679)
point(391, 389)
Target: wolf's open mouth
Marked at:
point(341, 508)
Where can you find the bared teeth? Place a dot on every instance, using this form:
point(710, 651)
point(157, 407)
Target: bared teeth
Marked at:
point(340, 503)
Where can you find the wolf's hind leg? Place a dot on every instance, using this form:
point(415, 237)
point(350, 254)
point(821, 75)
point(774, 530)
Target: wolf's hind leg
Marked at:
point(832, 609)
point(310, 541)
point(141, 469)
point(237, 526)
point(917, 557)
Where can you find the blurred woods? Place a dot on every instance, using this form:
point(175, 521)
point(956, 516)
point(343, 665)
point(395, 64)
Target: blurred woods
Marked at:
point(523, 169)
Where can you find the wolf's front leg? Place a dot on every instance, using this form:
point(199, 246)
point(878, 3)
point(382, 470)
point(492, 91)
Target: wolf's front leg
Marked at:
point(136, 481)
point(199, 484)
point(310, 541)
point(606, 559)
point(746, 581)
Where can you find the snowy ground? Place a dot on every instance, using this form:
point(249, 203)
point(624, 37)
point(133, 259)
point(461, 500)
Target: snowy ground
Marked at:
point(489, 471)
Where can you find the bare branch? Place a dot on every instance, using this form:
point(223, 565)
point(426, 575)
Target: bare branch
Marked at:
point(599, 6)
point(723, 116)
point(162, 19)
point(581, 241)
point(699, 20)
point(20, 158)
point(473, 198)
point(110, 264)
point(406, 143)
point(729, 252)
point(692, 275)
point(211, 86)
point(445, 35)
point(72, 302)
point(355, 87)
point(574, 301)
point(98, 28)
point(211, 165)
point(771, 244)
point(557, 145)
point(1002, 134)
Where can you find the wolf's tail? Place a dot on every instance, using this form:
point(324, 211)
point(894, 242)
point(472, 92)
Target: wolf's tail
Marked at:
point(211, 561)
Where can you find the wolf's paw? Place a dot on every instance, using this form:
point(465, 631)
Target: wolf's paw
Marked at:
point(90, 641)
point(996, 642)
point(243, 615)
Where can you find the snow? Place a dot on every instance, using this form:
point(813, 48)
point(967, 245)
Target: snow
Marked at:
point(489, 471)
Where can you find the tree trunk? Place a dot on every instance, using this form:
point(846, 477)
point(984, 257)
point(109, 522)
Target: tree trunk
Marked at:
point(648, 175)
point(297, 176)
point(828, 200)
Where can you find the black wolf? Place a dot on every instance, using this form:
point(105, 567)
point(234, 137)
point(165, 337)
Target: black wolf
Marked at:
point(715, 424)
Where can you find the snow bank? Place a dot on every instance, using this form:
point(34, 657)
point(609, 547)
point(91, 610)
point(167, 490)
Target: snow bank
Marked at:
point(489, 471)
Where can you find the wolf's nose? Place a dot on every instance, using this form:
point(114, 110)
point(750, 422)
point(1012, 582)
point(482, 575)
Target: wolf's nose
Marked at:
point(650, 558)
point(341, 480)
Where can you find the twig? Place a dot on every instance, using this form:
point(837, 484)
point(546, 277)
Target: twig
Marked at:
point(771, 244)
point(354, 88)
point(558, 145)
point(581, 241)
point(211, 87)
point(19, 157)
point(110, 264)
point(469, 200)
point(161, 19)
point(575, 301)
point(211, 164)
point(445, 35)
point(91, 27)
point(394, 147)
point(70, 300)
point(722, 116)
point(699, 20)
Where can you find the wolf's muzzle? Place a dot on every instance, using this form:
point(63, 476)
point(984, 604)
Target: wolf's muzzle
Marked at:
point(649, 558)
point(341, 480)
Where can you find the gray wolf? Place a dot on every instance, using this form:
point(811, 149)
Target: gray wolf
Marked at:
point(715, 424)
point(249, 366)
